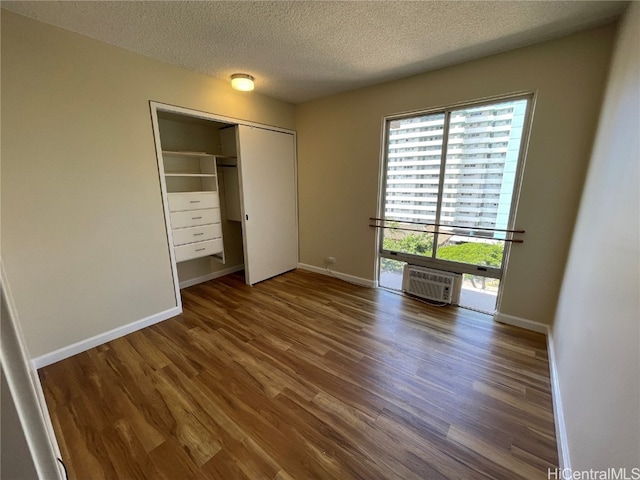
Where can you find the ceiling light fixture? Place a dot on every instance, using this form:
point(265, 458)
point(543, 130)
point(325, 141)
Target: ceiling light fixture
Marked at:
point(242, 82)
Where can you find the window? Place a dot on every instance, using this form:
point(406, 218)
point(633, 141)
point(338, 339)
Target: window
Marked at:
point(446, 223)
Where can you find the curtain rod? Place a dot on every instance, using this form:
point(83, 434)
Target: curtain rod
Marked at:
point(443, 225)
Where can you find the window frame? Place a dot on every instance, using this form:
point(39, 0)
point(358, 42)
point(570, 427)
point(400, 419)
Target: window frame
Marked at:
point(433, 262)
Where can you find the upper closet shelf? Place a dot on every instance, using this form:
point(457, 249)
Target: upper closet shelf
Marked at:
point(189, 175)
point(186, 154)
point(171, 153)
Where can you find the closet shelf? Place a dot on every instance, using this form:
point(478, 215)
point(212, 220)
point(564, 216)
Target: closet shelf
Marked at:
point(174, 153)
point(191, 192)
point(190, 175)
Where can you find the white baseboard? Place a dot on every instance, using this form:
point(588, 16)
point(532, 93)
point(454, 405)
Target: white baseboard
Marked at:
point(564, 459)
point(210, 276)
point(521, 322)
point(342, 276)
point(83, 345)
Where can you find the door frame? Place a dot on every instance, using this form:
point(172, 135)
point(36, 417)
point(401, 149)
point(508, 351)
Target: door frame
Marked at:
point(156, 107)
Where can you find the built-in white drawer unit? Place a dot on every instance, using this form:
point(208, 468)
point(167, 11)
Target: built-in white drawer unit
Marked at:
point(194, 218)
point(198, 249)
point(192, 201)
point(193, 204)
point(182, 236)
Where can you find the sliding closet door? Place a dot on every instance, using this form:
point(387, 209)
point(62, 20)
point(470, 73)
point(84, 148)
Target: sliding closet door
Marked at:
point(268, 197)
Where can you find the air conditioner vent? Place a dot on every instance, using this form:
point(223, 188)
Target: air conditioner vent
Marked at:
point(430, 284)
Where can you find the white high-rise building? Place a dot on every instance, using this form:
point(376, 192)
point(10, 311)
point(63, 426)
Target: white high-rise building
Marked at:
point(479, 174)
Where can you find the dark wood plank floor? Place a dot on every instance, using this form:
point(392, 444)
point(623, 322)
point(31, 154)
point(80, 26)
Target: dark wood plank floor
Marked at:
point(307, 377)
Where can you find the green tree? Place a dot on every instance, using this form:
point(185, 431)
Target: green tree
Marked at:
point(486, 254)
point(417, 243)
point(396, 241)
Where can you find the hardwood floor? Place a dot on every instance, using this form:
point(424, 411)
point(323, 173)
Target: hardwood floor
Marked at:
point(307, 377)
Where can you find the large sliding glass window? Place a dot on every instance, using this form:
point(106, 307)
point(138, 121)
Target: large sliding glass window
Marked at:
point(450, 179)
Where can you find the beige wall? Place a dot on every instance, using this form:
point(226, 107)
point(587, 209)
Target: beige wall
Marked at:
point(83, 237)
point(596, 332)
point(339, 141)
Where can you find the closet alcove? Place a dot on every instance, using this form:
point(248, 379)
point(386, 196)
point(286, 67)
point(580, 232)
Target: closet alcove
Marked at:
point(229, 195)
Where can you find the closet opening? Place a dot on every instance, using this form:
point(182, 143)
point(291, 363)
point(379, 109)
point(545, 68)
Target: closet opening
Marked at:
point(199, 157)
point(229, 194)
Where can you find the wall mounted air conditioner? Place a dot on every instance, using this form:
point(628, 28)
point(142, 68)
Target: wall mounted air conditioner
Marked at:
point(434, 285)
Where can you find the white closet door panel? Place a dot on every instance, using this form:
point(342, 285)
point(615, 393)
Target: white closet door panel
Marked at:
point(269, 202)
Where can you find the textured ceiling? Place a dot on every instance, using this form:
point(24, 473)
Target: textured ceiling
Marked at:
point(303, 50)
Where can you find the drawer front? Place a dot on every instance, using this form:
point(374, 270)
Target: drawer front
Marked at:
point(194, 218)
point(199, 249)
point(182, 236)
point(192, 201)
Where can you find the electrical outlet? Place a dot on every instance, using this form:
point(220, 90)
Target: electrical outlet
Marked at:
point(330, 260)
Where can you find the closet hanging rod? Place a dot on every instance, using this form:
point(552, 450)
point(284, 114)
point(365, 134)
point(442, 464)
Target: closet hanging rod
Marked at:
point(443, 225)
point(512, 240)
